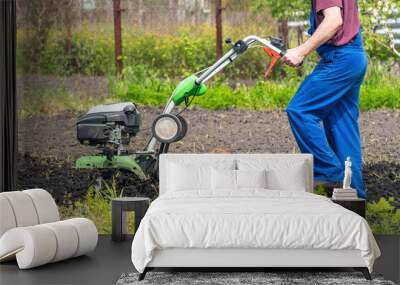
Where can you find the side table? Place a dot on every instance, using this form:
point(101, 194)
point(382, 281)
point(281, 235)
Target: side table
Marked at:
point(357, 205)
point(119, 207)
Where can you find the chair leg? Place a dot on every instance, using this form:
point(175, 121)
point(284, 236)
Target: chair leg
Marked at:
point(143, 274)
point(365, 272)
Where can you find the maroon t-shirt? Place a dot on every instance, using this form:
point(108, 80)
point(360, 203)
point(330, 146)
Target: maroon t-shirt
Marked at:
point(351, 23)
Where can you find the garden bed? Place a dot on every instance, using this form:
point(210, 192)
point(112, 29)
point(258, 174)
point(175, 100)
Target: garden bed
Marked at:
point(49, 148)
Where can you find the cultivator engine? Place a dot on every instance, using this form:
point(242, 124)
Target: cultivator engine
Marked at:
point(111, 127)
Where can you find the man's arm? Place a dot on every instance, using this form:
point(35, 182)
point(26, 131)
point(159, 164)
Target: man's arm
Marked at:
point(325, 31)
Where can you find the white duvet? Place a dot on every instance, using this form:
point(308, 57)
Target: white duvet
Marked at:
point(250, 219)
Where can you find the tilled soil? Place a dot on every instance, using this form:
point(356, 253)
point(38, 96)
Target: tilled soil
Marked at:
point(67, 184)
point(48, 147)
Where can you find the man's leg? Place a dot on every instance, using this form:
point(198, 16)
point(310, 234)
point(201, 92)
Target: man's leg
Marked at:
point(309, 133)
point(343, 134)
point(314, 100)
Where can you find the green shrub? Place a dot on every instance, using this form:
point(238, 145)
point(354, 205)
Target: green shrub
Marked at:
point(320, 190)
point(177, 55)
point(383, 217)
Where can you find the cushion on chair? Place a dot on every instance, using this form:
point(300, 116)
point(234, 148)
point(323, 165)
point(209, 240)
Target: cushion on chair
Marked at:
point(66, 238)
point(37, 245)
point(23, 208)
point(32, 246)
point(87, 235)
point(45, 206)
point(7, 220)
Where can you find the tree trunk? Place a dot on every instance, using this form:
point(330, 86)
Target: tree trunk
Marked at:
point(117, 36)
point(283, 30)
point(218, 28)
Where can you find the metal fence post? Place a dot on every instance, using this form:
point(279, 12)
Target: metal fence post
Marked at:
point(218, 28)
point(118, 36)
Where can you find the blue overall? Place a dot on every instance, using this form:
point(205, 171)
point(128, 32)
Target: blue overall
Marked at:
point(323, 114)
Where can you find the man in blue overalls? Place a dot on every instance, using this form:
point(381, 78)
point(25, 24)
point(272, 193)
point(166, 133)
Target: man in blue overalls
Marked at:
point(323, 114)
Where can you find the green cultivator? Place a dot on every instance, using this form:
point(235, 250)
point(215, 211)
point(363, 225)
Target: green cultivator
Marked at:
point(111, 127)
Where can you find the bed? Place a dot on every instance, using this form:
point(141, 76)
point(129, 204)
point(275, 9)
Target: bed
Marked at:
point(247, 210)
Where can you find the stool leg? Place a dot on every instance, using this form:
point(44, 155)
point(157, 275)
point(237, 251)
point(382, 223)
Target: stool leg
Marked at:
point(116, 224)
point(124, 224)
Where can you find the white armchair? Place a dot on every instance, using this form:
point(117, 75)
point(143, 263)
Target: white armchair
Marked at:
point(31, 230)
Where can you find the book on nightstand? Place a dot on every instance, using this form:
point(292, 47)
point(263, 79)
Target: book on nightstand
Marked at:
point(344, 194)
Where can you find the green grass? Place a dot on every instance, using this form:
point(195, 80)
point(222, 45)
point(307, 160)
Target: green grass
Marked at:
point(146, 87)
point(54, 101)
point(143, 86)
point(381, 88)
point(154, 64)
point(97, 207)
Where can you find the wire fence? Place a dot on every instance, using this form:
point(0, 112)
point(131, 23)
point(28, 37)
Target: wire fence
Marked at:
point(158, 16)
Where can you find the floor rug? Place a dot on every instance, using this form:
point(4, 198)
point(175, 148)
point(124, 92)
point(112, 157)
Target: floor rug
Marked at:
point(244, 278)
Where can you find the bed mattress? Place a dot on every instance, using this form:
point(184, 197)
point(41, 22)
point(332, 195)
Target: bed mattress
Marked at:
point(250, 219)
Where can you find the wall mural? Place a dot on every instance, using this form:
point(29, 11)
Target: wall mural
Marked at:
point(83, 54)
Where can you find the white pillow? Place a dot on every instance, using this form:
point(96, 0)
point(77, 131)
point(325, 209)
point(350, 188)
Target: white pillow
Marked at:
point(297, 181)
point(227, 179)
point(251, 178)
point(223, 179)
point(282, 174)
point(183, 177)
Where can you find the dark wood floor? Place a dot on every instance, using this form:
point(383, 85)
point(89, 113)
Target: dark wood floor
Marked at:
point(103, 266)
point(110, 260)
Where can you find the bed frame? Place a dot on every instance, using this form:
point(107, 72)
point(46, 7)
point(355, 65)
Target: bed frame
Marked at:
point(242, 259)
point(246, 259)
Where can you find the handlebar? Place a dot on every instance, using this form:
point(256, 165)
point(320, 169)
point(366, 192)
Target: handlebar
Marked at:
point(274, 48)
point(274, 44)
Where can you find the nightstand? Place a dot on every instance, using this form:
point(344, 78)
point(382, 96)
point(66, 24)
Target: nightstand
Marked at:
point(358, 206)
point(122, 205)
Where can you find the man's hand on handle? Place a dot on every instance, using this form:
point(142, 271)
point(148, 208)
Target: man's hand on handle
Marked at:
point(294, 56)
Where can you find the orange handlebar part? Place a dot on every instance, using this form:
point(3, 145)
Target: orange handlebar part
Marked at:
point(274, 59)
